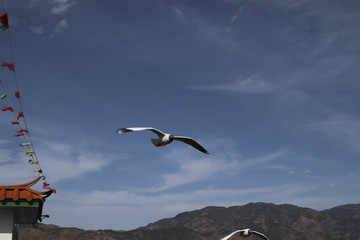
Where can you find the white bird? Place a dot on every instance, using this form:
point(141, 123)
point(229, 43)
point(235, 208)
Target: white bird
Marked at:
point(245, 233)
point(164, 138)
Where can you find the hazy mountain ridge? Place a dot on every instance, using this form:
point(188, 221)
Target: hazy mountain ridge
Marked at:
point(275, 221)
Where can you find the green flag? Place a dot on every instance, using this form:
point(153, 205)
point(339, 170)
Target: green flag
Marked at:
point(25, 144)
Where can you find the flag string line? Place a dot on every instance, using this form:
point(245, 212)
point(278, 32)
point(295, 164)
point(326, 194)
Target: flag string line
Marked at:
point(21, 129)
point(28, 141)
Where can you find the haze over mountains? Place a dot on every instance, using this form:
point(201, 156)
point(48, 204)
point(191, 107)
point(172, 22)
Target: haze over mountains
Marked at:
point(275, 221)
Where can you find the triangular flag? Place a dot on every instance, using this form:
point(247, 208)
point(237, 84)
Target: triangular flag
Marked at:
point(30, 152)
point(7, 108)
point(17, 94)
point(4, 23)
point(18, 135)
point(23, 130)
point(46, 186)
point(15, 122)
point(21, 114)
point(3, 96)
point(25, 144)
point(9, 65)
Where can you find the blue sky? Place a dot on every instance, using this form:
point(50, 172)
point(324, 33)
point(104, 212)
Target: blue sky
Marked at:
point(269, 88)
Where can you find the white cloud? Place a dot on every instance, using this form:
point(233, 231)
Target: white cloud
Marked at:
point(341, 129)
point(13, 173)
point(61, 26)
point(37, 29)
point(62, 6)
point(6, 155)
point(195, 170)
point(290, 4)
point(283, 152)
point(58, 161)
point(238, 14)
point(178, 12)
point(2, 141)
point(221, 35)
point(191, 168)
point(127, 210)
point(253, 84)
point(64, 161)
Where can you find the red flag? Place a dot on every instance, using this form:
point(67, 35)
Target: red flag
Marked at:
point(23, 130)
point(15, 122)
point(17, 94)
point(18, 135)
point(4, 22)
point(46, 186)
point(21, 114)
point(9, 65)
point(7, 108)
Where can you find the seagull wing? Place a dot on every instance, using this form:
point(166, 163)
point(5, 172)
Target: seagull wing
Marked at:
point(133, 129)
point(260, 235)
point(191, 142)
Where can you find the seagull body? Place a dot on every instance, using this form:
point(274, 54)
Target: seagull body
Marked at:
point(164, 138)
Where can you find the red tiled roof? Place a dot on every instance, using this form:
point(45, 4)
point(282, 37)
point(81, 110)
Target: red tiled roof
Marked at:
point(23, 191)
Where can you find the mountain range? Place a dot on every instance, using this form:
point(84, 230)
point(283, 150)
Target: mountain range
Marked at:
point(277, 222)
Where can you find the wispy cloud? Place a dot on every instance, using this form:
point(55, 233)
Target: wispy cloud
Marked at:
point(59, 161)
point(65, 161)
point(4, 141)
point(118, 205)
point(253, 85)
point(37, 29)
point(291, 3)
point(340, 128)
point(61, 26)
point(6, 154)
point(191, 168)
point(177, 12)
point(267, 158)
point(207, 32)
point(238, 14)
point(219, 34)
point(15, 168)
point(62, 6)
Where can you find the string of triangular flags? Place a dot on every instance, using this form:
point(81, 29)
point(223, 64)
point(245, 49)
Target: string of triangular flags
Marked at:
point(19, 117)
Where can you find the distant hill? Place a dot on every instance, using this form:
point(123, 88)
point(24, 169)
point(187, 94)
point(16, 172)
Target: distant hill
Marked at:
point(278, 222)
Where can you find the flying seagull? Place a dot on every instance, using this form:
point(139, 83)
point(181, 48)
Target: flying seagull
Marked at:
point(164, 138)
